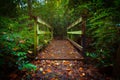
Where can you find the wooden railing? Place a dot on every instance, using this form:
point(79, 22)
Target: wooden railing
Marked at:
point(81, 32)
point(44, 29)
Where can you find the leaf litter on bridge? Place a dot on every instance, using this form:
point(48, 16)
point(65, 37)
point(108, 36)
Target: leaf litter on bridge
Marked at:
point(60, 49)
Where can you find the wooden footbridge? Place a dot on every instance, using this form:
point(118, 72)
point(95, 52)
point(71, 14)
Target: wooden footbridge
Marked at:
point(62, 59)
point(64, 49)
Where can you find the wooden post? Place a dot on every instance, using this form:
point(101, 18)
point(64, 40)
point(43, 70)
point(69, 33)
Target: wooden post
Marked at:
point(83, 37)
point(35, 38)
point(116, 68)
point(37, 34)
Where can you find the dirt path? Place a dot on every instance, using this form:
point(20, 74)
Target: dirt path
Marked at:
point(60, 49)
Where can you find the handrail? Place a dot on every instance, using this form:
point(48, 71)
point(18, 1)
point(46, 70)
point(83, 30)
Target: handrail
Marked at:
point(81, 21)
point(74, 32)
point(38, 32)
point(75, 23)
point(40, 21)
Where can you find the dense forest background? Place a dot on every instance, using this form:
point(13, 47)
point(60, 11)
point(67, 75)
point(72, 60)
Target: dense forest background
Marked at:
point(17, 30)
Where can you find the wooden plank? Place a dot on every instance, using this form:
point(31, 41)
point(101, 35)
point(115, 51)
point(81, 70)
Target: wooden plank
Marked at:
point(43, 32)
point(74, 32)
point(58, 59)
point(75, 23)
point(76, 44)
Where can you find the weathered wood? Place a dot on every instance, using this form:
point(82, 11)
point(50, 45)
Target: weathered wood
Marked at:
point(37, 32)
point(76, 44)
point(75, 23)
point(83, 37)
point(43, 32)
point(40, 21)
point(35, 38)
point(59, 59)
point(74, 32)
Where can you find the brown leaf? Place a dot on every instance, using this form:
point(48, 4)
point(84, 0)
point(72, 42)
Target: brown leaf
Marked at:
point(82, 74)
point(57, 64)
point(68, 69)
point(80, 69)
point(54, 79)
point(70, 65)
point(48, 70)
point(44, 72)
point(66, 62)
point(70, 73)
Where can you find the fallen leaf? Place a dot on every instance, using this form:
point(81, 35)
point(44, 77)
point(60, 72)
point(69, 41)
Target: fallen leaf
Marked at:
point(66, 62)
point(48, 70)
point(70, 65)
point(80, 69)
point(57, 64)
point(41, 69)
point(70, 73)
point(54, 79)
point(30, 52)
point(44, 72)
point(68, 69)
point(82, 74)
point(49, 65)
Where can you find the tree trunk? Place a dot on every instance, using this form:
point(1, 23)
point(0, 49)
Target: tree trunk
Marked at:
point(29, 8)
point(117, 65)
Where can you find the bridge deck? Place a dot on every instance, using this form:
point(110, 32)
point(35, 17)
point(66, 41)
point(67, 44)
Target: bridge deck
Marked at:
point(60, 49)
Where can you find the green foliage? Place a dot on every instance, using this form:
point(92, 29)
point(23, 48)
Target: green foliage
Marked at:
point(102, 57)
point(8, 8)
point(29, 66)
point(16, 40)
point(102, 18)
point(104, 33)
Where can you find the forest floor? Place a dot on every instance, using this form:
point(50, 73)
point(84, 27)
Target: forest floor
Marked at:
point(60, 60)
